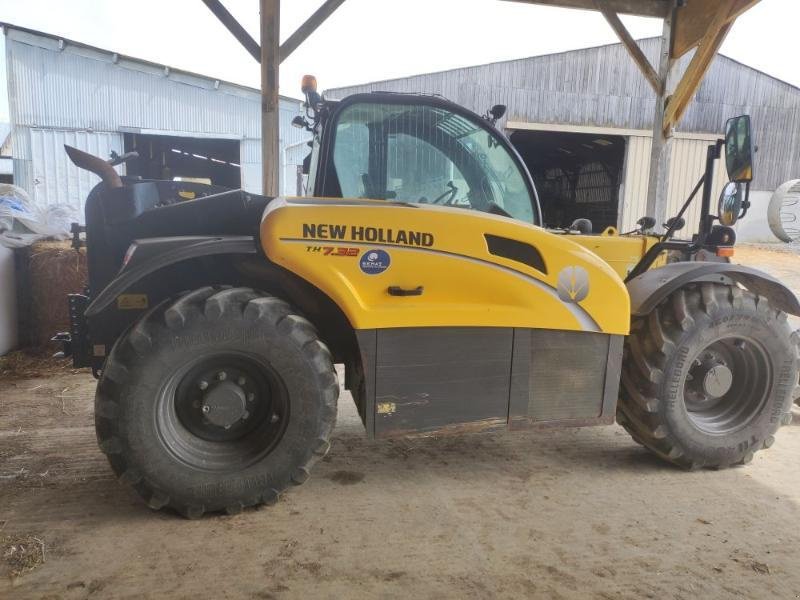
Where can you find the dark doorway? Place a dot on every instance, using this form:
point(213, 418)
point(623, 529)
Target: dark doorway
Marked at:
point(190, 159)
point(577, 175)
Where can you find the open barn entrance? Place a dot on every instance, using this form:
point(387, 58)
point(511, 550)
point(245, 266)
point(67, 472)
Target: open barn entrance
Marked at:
point(203, 160)
point(577, 175)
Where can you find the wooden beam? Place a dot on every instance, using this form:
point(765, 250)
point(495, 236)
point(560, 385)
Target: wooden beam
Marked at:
point(641, 8)
point(270, 109)
point(230, 22)
point(718, 29)
point(309, 27)
point(694, 19)
point(661, 148)
point(630, 45)
point(293, 41)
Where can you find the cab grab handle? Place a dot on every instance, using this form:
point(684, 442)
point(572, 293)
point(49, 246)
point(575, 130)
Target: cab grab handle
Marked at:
point(396, 290)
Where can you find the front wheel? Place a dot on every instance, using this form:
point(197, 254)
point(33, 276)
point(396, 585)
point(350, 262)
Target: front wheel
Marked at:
point(216, 401)
point(709, 376)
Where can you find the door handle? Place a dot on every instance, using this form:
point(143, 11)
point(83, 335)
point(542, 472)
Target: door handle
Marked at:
point(396, 290)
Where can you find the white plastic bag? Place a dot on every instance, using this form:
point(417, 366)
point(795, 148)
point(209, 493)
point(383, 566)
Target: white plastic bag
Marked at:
point(22, 225)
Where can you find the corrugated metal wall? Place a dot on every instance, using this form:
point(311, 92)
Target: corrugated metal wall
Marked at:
point(687, 165)
point(603, 87)
point(54, 179)
point(634, 181)
point(74, 92)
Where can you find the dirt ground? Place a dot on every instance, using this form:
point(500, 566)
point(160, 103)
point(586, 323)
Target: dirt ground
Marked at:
point(577, 513)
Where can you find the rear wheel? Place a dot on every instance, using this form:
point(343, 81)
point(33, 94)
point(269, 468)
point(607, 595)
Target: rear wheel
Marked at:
point(709, 376)
point(216, 401)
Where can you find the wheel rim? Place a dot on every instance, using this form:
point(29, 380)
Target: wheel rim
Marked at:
point(727, 384)
point(222, 412)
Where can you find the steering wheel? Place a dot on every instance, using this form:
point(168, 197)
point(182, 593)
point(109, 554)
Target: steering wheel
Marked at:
point(452, 190)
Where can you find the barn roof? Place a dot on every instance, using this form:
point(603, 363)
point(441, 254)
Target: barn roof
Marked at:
point(602, 87)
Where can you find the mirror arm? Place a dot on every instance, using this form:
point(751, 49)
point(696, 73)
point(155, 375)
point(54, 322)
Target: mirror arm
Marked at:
point(746, 203)
point(671, 230)
point(706, 218)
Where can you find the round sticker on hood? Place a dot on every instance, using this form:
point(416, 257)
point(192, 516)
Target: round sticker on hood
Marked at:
point(374, 262)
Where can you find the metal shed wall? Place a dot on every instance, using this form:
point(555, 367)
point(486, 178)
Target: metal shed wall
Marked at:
point(686, 166)
point(62, 91)
point(603, 87)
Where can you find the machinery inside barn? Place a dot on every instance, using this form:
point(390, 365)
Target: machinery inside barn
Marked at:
point(210, 161)
point(577, 175)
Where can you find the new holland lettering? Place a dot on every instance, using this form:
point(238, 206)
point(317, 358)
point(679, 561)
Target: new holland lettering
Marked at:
point(374, 235)
point(390, 236)
point(324, 232)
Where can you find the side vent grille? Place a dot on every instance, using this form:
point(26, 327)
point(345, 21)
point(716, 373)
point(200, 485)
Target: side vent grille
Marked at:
point(516, 251)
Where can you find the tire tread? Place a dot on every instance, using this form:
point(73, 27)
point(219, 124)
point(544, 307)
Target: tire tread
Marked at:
point(211, 303)
point(639, 406)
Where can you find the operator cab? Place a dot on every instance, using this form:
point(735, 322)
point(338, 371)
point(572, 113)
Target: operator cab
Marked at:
point(417, 150)
point(421, 149)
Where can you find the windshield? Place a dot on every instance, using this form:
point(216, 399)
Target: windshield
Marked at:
point(427, 155)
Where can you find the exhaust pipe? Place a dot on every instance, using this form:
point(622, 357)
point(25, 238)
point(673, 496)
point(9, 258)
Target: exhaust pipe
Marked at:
point(96, 165)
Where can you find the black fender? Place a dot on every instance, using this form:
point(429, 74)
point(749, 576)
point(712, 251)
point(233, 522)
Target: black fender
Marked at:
point(651, 287)
point(149, 255)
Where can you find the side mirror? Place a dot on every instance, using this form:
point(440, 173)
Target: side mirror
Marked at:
point(493, 115)
point(646, 223)
point(739, 149)
point(497, 111)
point(675, 223)
point(731, 202)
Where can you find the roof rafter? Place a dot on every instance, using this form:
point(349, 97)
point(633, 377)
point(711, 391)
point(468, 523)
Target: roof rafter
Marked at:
point(640, 8)
point(630, 45)
point(707, 47)
point(291, 44)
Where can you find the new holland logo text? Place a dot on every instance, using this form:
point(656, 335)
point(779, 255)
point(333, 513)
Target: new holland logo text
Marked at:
point(358, 233)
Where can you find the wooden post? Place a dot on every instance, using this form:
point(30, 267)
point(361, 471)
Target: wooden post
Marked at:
point(660, 154)
point(270, 103)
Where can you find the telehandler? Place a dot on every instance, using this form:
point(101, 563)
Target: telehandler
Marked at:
point(419, 260)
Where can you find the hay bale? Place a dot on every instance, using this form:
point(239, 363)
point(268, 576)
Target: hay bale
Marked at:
point(55, 269)
point(22, 553)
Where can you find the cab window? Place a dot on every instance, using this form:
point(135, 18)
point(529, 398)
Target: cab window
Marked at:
point(427, 155)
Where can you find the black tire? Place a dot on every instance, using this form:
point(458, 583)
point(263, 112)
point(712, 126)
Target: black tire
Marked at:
point(147, 399)
point(671, 398)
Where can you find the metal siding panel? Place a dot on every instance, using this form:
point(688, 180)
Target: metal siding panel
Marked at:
point(80, 88)
point(251, 177)
point(250, 151)
point(603, 87)
point(686, 168)
point(637, 171)
point(54, 180)
point(294, 157)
